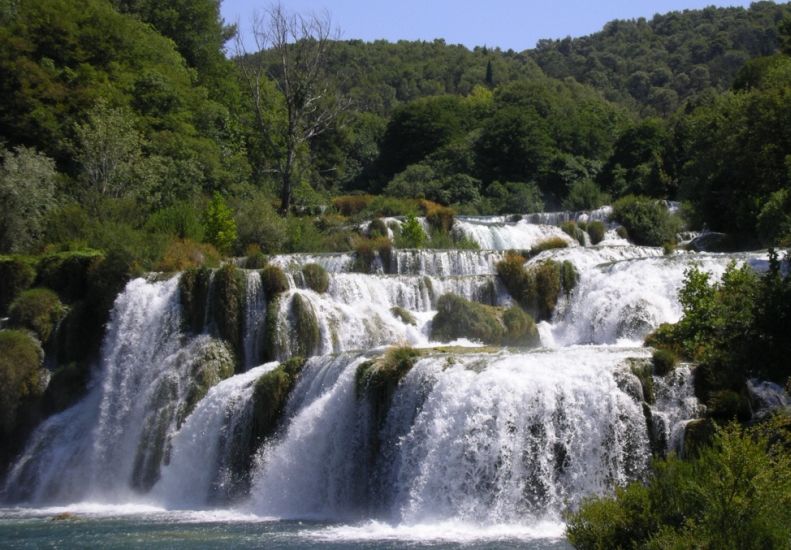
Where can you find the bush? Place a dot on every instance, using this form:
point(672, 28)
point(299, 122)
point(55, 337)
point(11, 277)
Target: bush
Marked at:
point(377, 228)
point(20, 374)
point(520, 329)
point(585, 195)
point(273, 280)
point(350, 205)
point(180, 220)
point(551, 243)
point(219, 224)
point(538, 288)
point(412, 234)
point(258, 223)
point(735, 494)
point(367, 250)
point(16, 275)
point(596, 231)
point(302, 235)
point(439, 217)
point(664, 361)
point(570, 228)
point(405, 316)
point(316, 278)
point(646, 220)
point(186, 254)
point(38, 310)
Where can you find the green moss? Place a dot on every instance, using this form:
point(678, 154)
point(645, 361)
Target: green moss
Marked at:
point(20, 375)
point(538, 288)
point(305, 325)
point(269, 399)
point(228, 302)
point(194, 287)
point(568, 276)
point(67, 272)
point(213, 363)
point(520, 329)
point(663, 361)
point(570, 228)
point(16, 275)
point(382, 375)
point(644, 371)
point(273, 338)
point(403, 314)
point(316, 278)
point(596, 231)
point(273, 281)
point(38, 310)
point(377, 228)
point(553, 243)
point(460, 318)
point(622, 232)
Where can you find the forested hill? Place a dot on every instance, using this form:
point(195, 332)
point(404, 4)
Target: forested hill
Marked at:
point(655, 65)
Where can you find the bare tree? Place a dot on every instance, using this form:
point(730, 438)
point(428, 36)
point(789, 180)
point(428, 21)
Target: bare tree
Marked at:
point(298, 45)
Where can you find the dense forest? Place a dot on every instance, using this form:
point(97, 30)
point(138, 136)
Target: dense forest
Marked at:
point(135, 137)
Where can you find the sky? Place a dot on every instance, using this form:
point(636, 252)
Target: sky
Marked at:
point(508, 24)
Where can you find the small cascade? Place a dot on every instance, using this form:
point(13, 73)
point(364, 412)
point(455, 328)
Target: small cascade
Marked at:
point(332, 263)
point(556, 218)
point(674, 405)
point(445, 263)
point(202, 466)
point(254, 320)
point(500, 234)
point(488, 439)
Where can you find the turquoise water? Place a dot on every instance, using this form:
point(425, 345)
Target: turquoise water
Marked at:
point(116, 529)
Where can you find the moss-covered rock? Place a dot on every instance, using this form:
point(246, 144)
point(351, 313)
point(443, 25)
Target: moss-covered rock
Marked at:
point(228, 302)
point(316, 278)
point(21, 375)
point(366, 252)
point(213, 363)
point(552, 243)
point(382, 375)
point(644, 371)
point(538, 288)
point(306, 338)
point(460, 318)
point(571, 229)
point(403, 314)
point(38, 310)
point(67, 272)
point(194, 287)
point(269, 399)
point(596, 231)
point(256, 260)
point(16, 275)
point(272, 334)
point(663, 361)
point(377, 228)
point(520, 329)
point(273, 281)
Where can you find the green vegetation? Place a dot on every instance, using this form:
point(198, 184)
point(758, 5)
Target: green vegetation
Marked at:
point(228, 303)
point(16, 274)
point(38, 310)
point(269, 398)
point(537, 288)
point(460, 318)
point(663, 361)
point(734, 494)
point(647, 221)
point(572, 230)
point(596, 231)
point(21, 378)
point(307, 336)
point(273, 280)
point(316, 278)
point(404, 315)
point(553, 243)
point(213, 363)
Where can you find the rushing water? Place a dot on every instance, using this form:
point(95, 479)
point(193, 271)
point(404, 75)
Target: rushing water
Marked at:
point(475, 448)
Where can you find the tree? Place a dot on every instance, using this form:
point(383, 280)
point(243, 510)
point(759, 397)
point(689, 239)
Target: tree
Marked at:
point(220, 226)
point(27, 190)
point(299, 45)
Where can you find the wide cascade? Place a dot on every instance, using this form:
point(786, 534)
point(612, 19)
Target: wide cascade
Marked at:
point(199, 399)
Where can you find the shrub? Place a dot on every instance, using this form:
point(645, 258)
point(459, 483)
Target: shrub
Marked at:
point(596, 231)
point(273, 280)
point(316, 278)
point(15, 276)
point(570, 228)
point(180, 220)
point(389, 206)
point(412, 234)
point(67, 272)
point(258, 223)
point(38, 310)
point(520, 329)
point(664, 361)
point(367, 250)
point(405, 316)
point(186, 254)
point(219, 224)
point(439, 217)
point(350, 205)
point(735, 494)
point(254, 258)
point(377, 228)
point(538, 288)
point(585, 195)
point(302, 235)
point(551, 243)
point(20, 374)
point(646, 220)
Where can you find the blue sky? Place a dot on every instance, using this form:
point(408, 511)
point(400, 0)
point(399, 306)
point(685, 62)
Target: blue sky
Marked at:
point(508, 24)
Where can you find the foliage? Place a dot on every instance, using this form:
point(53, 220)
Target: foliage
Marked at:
point(20, 376)
point(646, 220)
point(16, 275)
point(179, 220)
point(186, 254)
point(585, 194)
point(571, 229)
point(735, 494)
point(596, 230)
point(412, 234)
point(38, 310)
point(367, 251)
point(258, 223)
point(552, 243)
point(537, 288)
point(219, 225)
point(27, 193)
point(663, 361)
point(316, 277)
point(273, 280)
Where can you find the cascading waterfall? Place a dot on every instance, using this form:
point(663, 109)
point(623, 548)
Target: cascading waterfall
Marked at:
point(487, 438)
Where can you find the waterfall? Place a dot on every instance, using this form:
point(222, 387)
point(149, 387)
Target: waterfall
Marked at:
point(499, 234)
point(254, 320)
point(487, 439)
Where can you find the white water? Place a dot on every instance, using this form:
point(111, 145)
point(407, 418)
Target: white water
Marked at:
point(472, 443)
